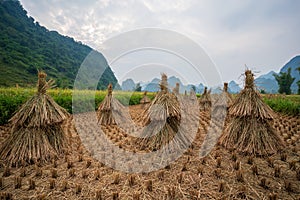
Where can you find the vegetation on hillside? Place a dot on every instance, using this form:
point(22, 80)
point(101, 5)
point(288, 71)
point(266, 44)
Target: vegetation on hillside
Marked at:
point(298, 82)
point(284, 80)
point(26, 46)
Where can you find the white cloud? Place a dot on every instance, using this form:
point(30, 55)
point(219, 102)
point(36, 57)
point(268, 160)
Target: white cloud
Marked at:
point(167, 5)
point(262, 34)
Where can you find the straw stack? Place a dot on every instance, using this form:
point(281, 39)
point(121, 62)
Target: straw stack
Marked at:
point(205, 100)
point(36, 133)
point(250, 130)
point(223, 102)
point(145, 100)
point(110, 111)
point(163, 120)
point(176, 89)
point(193, 96)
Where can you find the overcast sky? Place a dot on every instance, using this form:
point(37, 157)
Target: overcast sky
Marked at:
point(264, 35)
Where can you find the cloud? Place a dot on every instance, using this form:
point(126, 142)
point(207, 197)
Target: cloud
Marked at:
point(157, 6)
point(263, 35)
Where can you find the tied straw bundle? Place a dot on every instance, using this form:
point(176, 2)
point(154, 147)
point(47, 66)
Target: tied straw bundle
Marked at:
point(163, 118)
point(205, 100)
point(36, 132)
point(223, 102)
point(176, 89)
point(145, 100)
point(110, 110)
point(249, 130)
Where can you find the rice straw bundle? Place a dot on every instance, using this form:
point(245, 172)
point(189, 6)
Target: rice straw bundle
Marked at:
point(176, 89)
point(250, 130)
point(36, 133)
point(205, 100)
point(184, 101)
point(185, 97)
point(188, 101)
point(163, 118)
point(145, 99)
point(223, 102)
point(110, 110)
point(228, 95)
point(193, 96)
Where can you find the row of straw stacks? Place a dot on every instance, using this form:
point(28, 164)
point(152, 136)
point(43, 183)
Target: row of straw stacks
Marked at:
point(37, 134)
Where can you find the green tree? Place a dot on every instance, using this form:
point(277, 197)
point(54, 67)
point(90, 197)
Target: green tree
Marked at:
point(284, 80)
point(262, 91)
point(138, 87)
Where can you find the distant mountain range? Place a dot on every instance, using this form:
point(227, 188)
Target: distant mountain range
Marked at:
point(128, 85)
point(264, 82)
point(233, 87)
point(153, 86)
point(268, 83)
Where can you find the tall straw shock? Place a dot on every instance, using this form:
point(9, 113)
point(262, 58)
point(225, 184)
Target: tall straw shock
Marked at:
point(250, 130)
point(205, 101)
point(145, 100)
point(110, 111)
point(163, 118)
point(222, 103)
point(36, 132)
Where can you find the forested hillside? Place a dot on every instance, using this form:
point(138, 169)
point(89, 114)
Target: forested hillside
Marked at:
point(26, 46)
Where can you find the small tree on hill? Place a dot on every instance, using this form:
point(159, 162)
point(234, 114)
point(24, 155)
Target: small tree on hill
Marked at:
point(138, 87)
point(284, 80)
point(262, 91)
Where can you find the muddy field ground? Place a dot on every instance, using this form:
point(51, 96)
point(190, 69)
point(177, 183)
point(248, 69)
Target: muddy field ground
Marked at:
point(223, 174)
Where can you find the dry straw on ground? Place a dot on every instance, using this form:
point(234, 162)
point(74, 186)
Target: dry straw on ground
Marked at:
point(221, 175)
point(250, 130)
point(36, 132)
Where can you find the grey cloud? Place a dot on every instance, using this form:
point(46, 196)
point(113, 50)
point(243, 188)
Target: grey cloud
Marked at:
point(262, 34)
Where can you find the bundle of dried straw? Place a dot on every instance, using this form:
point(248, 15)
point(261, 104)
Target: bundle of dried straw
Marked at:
point(205, 100)
point(110, 111)
point(145, 99)
point(223, 102)
point(163, 120)
point(250, 130)
point(36, 133)
point(176, 89)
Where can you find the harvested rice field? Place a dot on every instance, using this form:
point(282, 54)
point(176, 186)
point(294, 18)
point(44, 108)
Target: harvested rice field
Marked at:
point(223, 174)
point(84, 114)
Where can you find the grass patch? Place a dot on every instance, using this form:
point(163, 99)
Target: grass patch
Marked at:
point(284, 104)
point(12, 98)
